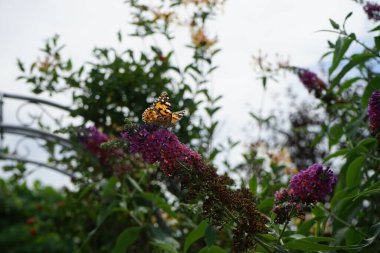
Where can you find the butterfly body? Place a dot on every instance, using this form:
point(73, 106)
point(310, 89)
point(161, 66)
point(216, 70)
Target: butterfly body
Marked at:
point(160, 113)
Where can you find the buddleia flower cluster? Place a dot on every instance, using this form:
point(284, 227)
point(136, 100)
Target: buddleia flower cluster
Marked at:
point(91, 138)
point(374, 112)
point(220, 203)
point(372, 10)
point(311, 81)
point(160, 145)
point(305, 189)
point(110, 153)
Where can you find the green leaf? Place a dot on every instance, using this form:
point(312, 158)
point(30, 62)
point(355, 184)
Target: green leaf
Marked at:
point(335, 133)
point(86, 189)
point(161, 237)
point(373, 189)
point(353, 172)
point(374, 231)
point(210, 235)
point(20, 65)
point(336, 154)
point(353, 237)
point(340, 196)
point(167, 247)
point(195, 235)
point(354, 61)
point(347, 84)
point(334, 24)
point(341, 47)
point(266, 204)
point(126, 239)
point(212, 249)
point(102, 216)
point(253, 184)
point(368, 142)
point(377, 42)
point(305, 227)
point(159, 202)
point(373, 84)
point(119, 36)
point(377, 28)
point(310, 244)
point(134, 183)
point(347, 17)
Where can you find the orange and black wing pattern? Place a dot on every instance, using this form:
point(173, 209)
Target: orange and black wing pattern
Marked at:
point(160, 113)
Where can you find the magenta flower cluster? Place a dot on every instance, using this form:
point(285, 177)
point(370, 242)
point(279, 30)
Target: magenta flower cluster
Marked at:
point(372, 10)
point(286, 206)
point(111, 157)
point(161, 145)
point(91, 138)
point(311, 81)
point(305, 189)
point(313, 184)
point(374, 112)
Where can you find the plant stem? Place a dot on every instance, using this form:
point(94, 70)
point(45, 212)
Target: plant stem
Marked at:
point(283, 230)
point(262, 244)
point(346, 223)
point(286, 224)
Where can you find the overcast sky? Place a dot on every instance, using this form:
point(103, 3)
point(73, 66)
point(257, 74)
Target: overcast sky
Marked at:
point(243, 28)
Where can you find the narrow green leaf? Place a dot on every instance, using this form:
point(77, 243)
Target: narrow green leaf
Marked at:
point(119, 36)
point(266, 204)
point(373, 84)
point(353, 172)
point(210, 235)
point(335, 133)
point(159, 202)
point(334, 24)
point(126, 239)
point(354, 61)
point(20, 65)
point(353, 237)
point(373, 189)
point(341, 47)
point(377, 28)
point(336, 154)
point(212, 249)
point(134, 183)
point(377, 42)
point(347, 17)
point(347, 84)
point(253, 184)
point(368, 142)
point(309, 244)
point(165, 246)
point(195, 235)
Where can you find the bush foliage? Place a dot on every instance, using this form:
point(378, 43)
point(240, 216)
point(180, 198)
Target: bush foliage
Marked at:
point(138, 187)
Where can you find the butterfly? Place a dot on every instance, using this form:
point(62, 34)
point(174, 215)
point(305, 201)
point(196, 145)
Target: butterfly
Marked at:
point(160, 113)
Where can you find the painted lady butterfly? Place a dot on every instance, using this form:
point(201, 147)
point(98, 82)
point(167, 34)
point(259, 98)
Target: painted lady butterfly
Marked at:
point(160, 113)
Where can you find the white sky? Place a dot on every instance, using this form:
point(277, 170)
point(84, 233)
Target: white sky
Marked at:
point(244, 27)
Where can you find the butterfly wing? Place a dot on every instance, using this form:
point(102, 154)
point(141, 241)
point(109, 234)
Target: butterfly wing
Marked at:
point(164, 108)
point(177, 116)
point(160, 113)
point(150, 116)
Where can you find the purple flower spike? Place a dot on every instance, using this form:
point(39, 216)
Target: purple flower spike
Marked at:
point(311, 81)
point(313, 184)
point(372, 10)
point(91, 138)
point(161, 145)
point(374, 112)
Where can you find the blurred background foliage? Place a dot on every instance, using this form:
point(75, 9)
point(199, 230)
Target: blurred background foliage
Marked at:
point(138, 209)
